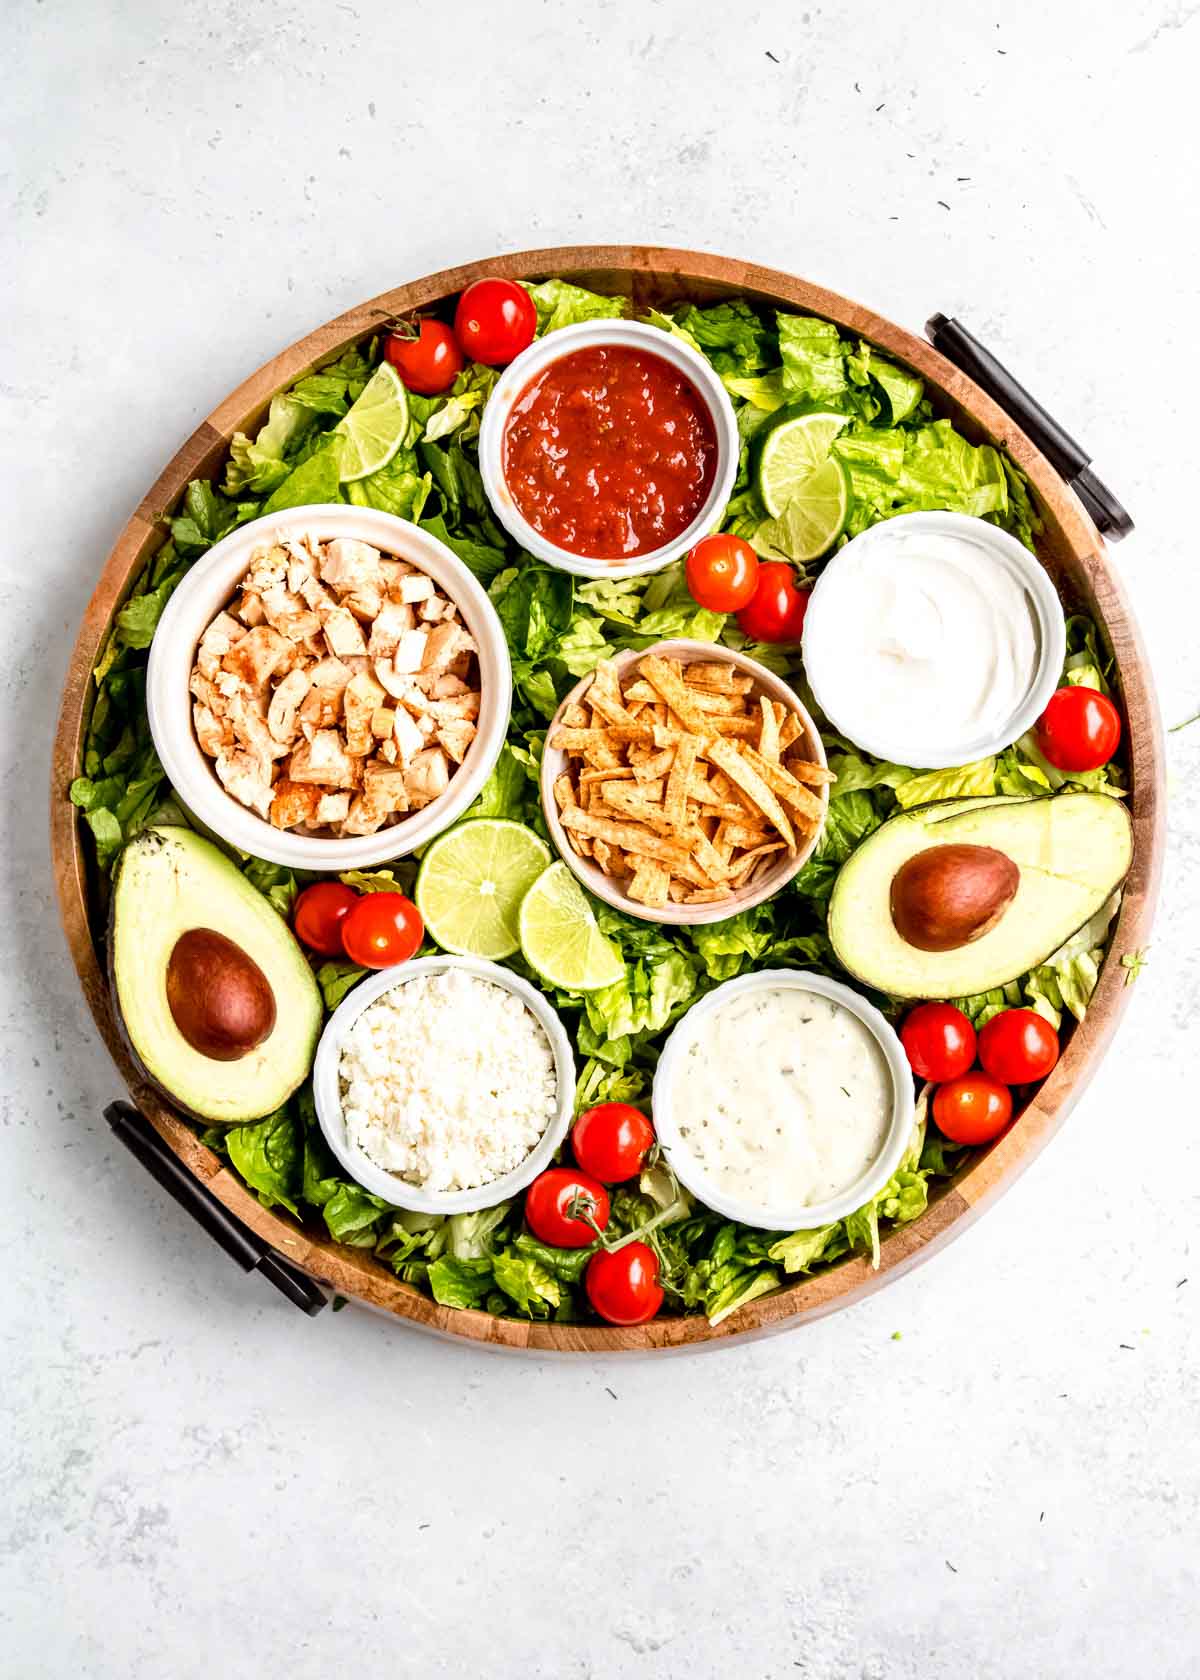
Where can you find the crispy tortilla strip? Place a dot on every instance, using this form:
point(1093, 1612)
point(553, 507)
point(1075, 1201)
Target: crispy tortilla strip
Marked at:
point(708, 858)
point(675, 799)
point(629, 801)
point(815, 775)
point(742, 728)
point(655, 765)
point(575, 716)
point(749, 861)
point(650, 884)
point(626, 835)
point(768, 735)
point(717, 674)
point(640, 693)
point(604, 695)
point(678, 890)
point(603, 854)
point(726, 705)
point(790, 730)
point(564, 792)
point(744, 773)
point(620, 773)
point(671, 686)
point(741, 836)
point(783, 783)
point(708, 895)
point(608, 735)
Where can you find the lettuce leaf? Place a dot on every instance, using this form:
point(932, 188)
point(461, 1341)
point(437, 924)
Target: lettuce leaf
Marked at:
point(978, 778)
point(559, 304)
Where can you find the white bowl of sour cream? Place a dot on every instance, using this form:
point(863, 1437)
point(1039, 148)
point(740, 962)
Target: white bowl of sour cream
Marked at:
point(783, 1100)
point(933, 639)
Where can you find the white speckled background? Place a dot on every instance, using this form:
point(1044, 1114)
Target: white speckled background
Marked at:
point(197, 1481)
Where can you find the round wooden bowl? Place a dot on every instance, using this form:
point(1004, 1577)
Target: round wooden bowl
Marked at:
point(1073, 553)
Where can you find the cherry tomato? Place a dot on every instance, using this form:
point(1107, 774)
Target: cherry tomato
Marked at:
point(1079, 730)
point(973, 1109)
point(722, 573)
point(495, 320)
point(1018, 1046)
point(319, 913)
point(776, 612)
point(429, 363)
point(611, 1141)
point(548, 1204)
point(383, 928)
point(622, 1284)
point(939, 1041)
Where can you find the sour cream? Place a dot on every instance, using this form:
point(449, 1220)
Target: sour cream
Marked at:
point(782, 1098)
point(933, 640)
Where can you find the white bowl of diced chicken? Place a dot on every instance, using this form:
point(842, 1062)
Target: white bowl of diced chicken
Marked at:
point(328, 688)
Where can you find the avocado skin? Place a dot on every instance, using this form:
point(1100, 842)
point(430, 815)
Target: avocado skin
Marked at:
point(1073, 851)
point(167, 881)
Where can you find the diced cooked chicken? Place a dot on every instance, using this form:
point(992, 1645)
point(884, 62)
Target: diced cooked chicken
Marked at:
point(410, 651)
point(386, 788)
point(409, 739)
point(339, 692)
point(333, 807)
point(323, 759)
point(391, 622)
point(445, 641)
point(295, 805)
point(247, 778)
point(257, 656)
point(222, 634)
point(426, 777)
point(456, 738)
point(281, 714)
point(213, 734)
point(343, 632)
point(359, 701)
point(415, 587)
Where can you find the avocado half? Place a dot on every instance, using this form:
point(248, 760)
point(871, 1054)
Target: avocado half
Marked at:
point(1072, 851)
point(192, 942)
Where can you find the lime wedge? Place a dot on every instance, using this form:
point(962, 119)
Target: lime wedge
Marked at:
point(471, 883)
point(812, 521)
point(559, 936)
point(373, 429)
point(792, 448)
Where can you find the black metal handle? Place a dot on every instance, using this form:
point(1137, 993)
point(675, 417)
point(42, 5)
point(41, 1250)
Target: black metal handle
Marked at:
point(249, 1251)
point(962, 348)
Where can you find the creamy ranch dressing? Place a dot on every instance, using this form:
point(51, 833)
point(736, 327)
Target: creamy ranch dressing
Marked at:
point(936, 641)
point(787, 1097)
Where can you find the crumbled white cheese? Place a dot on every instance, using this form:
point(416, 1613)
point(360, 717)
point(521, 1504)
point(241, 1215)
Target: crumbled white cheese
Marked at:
point(448, 1081)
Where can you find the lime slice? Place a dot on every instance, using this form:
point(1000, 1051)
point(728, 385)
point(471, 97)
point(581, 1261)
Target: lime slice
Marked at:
point(559, 936)
point(471, 883)
point(792, 449)
point(812, 521)
point(373, 429)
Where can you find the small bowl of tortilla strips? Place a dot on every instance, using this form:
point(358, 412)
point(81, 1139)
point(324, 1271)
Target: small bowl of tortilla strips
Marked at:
point(684, 783)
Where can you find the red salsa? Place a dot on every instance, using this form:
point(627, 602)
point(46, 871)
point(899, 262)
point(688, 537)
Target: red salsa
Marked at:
point(610, 452)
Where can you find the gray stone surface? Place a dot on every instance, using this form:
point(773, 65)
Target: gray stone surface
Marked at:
point(195, 1480)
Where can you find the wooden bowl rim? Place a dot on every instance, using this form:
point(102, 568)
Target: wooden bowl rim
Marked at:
point(1071, 539)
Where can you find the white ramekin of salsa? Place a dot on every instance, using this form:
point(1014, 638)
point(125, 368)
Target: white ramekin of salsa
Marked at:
point(784, 1100)
point(608, 449)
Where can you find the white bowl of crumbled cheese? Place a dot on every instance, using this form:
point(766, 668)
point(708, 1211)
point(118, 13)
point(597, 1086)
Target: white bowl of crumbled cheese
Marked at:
point(444, 1086)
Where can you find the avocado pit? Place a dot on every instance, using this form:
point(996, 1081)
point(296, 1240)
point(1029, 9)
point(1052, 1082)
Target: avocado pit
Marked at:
point(947, 896)
point(219, 998)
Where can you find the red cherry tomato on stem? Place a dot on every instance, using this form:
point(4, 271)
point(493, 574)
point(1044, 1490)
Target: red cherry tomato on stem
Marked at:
point(382, 929)
point(939, 1041)
point(495, 320)
point(429, 363)
point(549, 1202)
point(622, 1284)
point(611, 1141)
point(1079, 730)
point(722, 573)
point(319, 913)
point(776, 611)
point(973, 1109)
point(1018, 1046)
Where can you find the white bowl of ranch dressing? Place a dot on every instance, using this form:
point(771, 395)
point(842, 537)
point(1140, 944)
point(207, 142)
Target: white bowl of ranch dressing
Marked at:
point(933, 639)
point(783, 1100)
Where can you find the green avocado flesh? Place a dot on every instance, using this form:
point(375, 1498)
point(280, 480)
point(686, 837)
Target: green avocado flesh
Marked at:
point(1072, 852)
point(170, 882)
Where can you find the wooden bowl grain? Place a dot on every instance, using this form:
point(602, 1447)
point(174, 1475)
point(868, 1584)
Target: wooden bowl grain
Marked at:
point(1071, 550)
